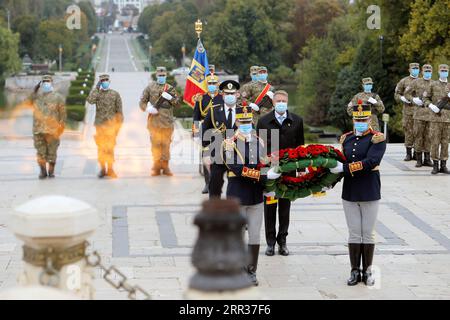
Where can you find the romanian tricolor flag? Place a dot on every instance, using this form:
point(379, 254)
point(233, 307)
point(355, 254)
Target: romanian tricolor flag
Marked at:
point(196, 79)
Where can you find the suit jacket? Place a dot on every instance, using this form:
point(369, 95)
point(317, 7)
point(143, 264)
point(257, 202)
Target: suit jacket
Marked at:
point(291, 133)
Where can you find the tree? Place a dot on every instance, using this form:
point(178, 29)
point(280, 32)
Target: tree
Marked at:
point(9, 47)
point(52, 33)
point(87, 8)
point(26, 27)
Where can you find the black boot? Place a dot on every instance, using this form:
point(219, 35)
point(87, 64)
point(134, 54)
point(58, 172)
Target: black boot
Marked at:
point(419, 163)
point(206, 176)
point(444, 167)
point(354, 250)
point(367, 259)
point(435, 167)
point(102, 172)
point(43, 168)
point(51, 169)
point(253, 251)
point(408, 154)
point(414, 155)
point(427, 160)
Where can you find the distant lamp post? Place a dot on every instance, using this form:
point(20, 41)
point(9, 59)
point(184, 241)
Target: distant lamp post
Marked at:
point(183, 50)
point(150, 48)
point(198, 27)
point(381, 48)
point(60, 57)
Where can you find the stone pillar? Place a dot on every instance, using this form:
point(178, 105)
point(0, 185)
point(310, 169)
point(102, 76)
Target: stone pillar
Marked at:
point(54, 230)
point(220, 255)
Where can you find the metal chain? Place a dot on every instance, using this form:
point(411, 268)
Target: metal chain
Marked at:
point(109, 274)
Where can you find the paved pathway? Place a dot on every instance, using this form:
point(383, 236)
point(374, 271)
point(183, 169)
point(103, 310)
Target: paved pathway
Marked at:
point(147, 231)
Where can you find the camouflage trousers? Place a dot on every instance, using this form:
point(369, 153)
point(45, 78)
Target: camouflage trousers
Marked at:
point(439, 138)
point(46, 146)
point(161, 138)
point(408, 129)
point(422, 136)
point(105, 138)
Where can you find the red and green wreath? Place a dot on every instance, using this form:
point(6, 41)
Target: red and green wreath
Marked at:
point(316, 159)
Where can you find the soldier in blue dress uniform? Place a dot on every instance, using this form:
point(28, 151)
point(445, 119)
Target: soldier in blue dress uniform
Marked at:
point(203, 103)
point(364, 149)
point(240, 156)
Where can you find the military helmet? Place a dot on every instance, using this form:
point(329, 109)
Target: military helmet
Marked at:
point(262, 69)
point(443, 67)
point(254, 69)
point(362, 110)
point(104, 77)
point(414, 65)
point(230, 86)
point(161, 71)
point(244, 114)
point(427, 67)
point(47, 77)
point(212, 78)
point(212, 68)
point(367, 81)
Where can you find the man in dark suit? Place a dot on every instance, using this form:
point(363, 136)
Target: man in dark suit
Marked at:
point(280, 129)
point(218, 125)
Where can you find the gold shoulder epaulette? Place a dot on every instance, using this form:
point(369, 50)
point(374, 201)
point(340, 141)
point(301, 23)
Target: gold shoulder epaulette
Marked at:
point(378, 137)
point(344, 136)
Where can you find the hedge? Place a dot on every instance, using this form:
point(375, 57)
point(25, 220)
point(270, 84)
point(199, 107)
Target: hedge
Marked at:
point(79, 83)
point(76, 90)
point(76, 99)
point(76, 112)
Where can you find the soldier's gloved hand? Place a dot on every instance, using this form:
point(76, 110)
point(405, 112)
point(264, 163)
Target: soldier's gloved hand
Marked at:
point(418, 102)
point(273, 174)
point(448, 95)
point(338, 169)
point(207, 161)
point(167, 96)
point(270, 194)
point(151, 110)
point(404, 99)
point(36, 88)
point(434, 108)
point(254, 107)
point(99, 83)
point(372, 100)
point(269, 94)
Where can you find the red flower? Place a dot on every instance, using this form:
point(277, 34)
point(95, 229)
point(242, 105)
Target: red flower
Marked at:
point(293, 154)
point(302, 152)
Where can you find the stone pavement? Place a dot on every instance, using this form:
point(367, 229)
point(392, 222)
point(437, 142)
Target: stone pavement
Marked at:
point(147, 231)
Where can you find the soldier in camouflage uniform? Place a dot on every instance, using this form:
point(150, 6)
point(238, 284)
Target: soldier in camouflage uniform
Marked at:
point(49, 116)
point(254, 79)
point(159, 100)
point(108, 121)
point(408, 108)
point(422, 116)
point(440, 124)
point(374, 99)
point(259, 95)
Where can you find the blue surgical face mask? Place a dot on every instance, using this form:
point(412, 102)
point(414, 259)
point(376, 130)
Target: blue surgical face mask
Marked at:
point(212, 88)
point(427, 75)
point(262, 76)
point(161, 79)
point(254, 77)
point(105, 85)
point(443, 74)
point(368, 88)
point(230, 99)
point(246, 128)
point(281, 107)
point(47, 87)
point(415, 72)
point(361, 127)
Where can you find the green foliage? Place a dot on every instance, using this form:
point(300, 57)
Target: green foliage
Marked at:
point(9, 47)
point(77, 99)
point(184, 111)
point(76, 112)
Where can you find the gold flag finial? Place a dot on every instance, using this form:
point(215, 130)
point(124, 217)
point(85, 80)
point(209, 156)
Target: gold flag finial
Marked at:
point(199, 27)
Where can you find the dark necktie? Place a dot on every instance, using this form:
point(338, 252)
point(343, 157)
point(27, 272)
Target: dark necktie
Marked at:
point(230, 119)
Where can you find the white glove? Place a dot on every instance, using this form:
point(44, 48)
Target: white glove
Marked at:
point(269, 94)
point(272, 174)
point(270, 194)
point(418, 101)
point(207, 161)
point(151, 109)
point(338, 169)
point(404, 99)
point(372, 100)
point(254, 107)
point(434, 108)
point(167, 96)
point(448, 95)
